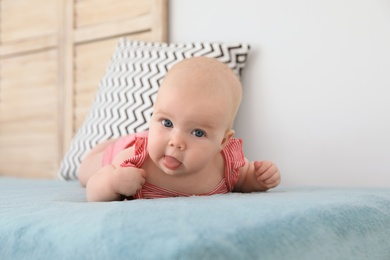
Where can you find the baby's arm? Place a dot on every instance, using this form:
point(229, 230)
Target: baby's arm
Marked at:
point(257, 176)
point(112, 181)
point(92, 163)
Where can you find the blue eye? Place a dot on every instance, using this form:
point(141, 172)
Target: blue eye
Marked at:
point(167, 123)
point(198, 133)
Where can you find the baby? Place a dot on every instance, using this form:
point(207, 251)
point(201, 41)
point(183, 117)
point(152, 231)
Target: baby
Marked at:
point(189, 148)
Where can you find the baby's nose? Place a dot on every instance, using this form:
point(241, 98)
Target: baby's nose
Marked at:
point(177, 141)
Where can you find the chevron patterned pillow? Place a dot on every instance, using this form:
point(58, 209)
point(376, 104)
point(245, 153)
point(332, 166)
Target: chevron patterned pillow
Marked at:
point(124, 100)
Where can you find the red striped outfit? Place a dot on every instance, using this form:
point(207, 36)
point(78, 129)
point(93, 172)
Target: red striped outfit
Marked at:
point(232, 154)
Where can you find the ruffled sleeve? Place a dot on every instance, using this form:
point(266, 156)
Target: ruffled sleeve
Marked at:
point(140, 152)
point(234, 159)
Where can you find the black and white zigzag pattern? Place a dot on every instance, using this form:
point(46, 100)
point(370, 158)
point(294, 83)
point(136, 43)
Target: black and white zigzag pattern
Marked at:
point(126, 94)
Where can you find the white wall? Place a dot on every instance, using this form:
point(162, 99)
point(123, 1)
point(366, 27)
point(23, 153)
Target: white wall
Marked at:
point(316, 86)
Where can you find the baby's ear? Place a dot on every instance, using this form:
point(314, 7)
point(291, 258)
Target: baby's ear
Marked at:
point(228, 134)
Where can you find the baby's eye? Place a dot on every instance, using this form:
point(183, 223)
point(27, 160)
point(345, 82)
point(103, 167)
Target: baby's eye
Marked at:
point(167, 123)
point(198, 133)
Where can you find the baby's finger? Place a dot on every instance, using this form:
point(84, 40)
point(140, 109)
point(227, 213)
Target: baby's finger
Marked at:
point(142, 172)
point(271, 185)
point(141, 176)
point(268, 173)
point(257, 165)
point(264, 166)
point(271, 179)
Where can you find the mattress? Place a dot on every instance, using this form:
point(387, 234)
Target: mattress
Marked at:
point(50, 219)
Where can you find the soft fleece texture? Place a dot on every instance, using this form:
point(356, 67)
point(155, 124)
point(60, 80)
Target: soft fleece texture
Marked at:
point(49, 219)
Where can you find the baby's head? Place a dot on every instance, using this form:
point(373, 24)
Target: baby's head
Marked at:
point(193, 115)
point(207, 79)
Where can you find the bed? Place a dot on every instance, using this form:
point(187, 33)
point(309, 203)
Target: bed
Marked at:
point(91, 72)
point(49, 219)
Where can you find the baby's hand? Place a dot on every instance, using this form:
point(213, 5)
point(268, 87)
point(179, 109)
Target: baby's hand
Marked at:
point(267, 174)
point(128, 180)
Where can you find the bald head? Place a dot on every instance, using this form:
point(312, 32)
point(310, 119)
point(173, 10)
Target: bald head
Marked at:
point(208, 77)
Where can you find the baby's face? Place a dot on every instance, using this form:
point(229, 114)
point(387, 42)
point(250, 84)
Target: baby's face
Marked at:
point(188, 128)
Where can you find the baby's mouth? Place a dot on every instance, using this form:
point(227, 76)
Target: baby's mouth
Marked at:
point(171, 162)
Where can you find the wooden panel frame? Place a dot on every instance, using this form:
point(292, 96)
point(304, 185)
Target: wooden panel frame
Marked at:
point(156, 22)
point(151, 26)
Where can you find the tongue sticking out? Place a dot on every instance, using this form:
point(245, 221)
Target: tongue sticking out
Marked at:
point(171, 163)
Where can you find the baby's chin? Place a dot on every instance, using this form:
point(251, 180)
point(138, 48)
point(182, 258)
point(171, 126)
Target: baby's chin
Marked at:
point(174, 173)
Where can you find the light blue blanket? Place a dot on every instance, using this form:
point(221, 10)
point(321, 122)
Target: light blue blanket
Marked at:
point(49, 219)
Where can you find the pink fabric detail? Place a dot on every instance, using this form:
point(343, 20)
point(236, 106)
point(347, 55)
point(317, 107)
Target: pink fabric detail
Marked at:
point(234, 159)
point(140, 153)
point(232, 154)
point(122, 143)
